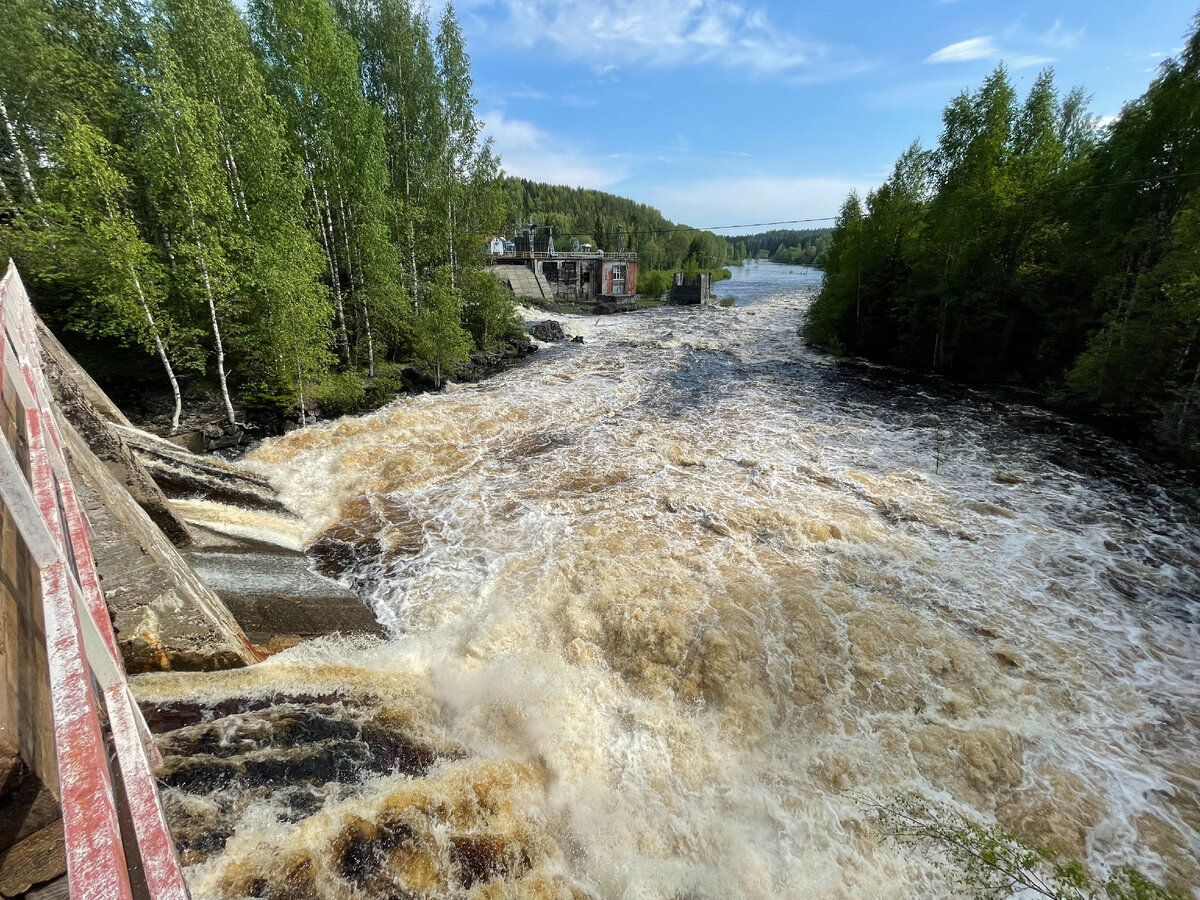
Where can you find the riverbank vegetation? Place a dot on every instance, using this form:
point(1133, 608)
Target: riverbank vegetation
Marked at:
point(991, 862)
point(284, 204)
point(599, 218)
point(656, 282)
point(1032, 248)
point(795, 247)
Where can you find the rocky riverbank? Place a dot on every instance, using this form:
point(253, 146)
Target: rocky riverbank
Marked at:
point(203, 566)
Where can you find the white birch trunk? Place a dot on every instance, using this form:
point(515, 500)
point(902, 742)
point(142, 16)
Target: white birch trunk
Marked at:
point(343, 339)
point(336, 271)
point(161, 348)
point(450, 215)
point(412, 236)
point(356, 285)
point(22, 159)
point(208, 290)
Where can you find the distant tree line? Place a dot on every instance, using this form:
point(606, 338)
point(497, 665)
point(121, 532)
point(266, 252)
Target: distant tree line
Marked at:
point(595, 217)
point(1032, 248)
point(271, 200)
point(803, 247)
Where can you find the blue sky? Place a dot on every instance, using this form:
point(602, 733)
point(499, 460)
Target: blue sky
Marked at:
point(726, 112)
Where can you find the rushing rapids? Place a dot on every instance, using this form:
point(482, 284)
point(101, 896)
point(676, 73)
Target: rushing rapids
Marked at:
point(665, 607)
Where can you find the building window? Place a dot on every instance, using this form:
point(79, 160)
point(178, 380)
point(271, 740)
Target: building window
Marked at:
point(618, 282)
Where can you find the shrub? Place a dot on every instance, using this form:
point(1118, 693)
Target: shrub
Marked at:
point(994, 863)
point(340, 393)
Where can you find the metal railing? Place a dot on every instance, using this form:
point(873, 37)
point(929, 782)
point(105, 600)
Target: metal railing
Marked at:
point(55, 595)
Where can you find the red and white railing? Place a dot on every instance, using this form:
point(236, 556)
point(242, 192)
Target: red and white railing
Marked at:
point(92, 708)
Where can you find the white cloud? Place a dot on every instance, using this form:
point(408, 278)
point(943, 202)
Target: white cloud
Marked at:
point(1061, 37)
point(1028, 60)
point(754, 199)
point(987, 48)
point(965, 51)
point(529, 152)
point(658, 33)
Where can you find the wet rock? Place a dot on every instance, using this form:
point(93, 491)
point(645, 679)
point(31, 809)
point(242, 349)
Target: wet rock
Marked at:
point(578, 339)
point(354, 544)
point(1008, 478)
point(927, 421)
point(287, 746)
point(548, 331)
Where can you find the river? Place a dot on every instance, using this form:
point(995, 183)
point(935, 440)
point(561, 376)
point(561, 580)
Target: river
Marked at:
point(669, 609)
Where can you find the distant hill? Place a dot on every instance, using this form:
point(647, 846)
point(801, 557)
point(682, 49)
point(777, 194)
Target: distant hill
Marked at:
point(593, 217)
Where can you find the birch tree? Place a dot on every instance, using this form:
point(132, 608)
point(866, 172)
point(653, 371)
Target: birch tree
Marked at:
point(183, 168)
point(90, 196)
point(280, 335)
point(313, 70)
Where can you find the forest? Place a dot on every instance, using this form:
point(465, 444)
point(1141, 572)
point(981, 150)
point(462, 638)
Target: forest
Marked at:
point(803, 247)
point(281, 204)
point(594, 217)
point(1033, 248)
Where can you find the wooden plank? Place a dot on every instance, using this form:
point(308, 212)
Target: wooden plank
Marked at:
point(95, 854)
point(12, 769)
point(39, 858)
point(73, 634)
point(58, 889)
point(27, 809)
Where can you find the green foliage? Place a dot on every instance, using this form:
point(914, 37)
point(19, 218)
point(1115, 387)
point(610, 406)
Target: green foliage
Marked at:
point(253, 199)
point(339, 393)
point(654, 282)
point(993, 863)
point(441, 344)
point(793, 247)
point(595, 217)
point(1028, 248)
point(489, 310)
point(389, 381)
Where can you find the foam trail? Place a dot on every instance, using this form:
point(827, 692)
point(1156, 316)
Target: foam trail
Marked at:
point(663, 606)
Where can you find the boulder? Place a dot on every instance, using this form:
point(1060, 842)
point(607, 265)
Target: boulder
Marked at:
point(927, 421)
point(548, 331)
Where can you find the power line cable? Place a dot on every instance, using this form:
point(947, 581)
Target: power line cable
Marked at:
point(713, 228)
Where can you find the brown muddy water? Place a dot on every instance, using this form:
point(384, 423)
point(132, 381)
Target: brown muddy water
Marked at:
point(664, 607)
